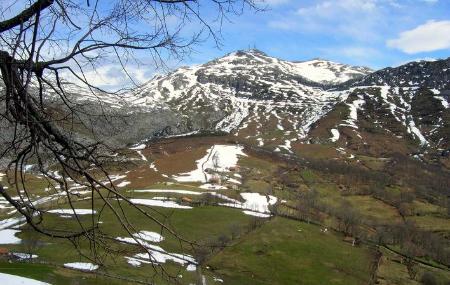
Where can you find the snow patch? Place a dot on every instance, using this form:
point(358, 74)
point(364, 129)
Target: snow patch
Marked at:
point(255, 204)
point(7, 223)
point(354, 107)
point(8, 236)
point(156, 254)
point(73, 211)
point(191, 267)
point(335, 133)
point(443, 102)
point(21, 255)
point(414, 130)
point(138, 147)
point(256, 214)
point(84, 266)
point(209, 186)
point(9, 279)
point(153, 166)
point(218, 157)
point(159, 203)
point(149, 236)
point(123, 184)
point(185, 192)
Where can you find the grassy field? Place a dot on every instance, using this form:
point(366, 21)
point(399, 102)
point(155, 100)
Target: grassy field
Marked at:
point(288, 252)
point(200, 224)
point(56, 275)
point(392, 270)
point(280, 251)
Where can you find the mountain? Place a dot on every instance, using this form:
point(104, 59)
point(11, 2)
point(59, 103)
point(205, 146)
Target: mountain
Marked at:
point(281, 105)
point(276, 104)
point(337, 156)
point(426, 74)
point(403, 109)
point(261, 99)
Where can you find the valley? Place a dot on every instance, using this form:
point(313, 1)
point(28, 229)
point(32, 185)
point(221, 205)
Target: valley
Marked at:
point(301, 236)
point(253, 170)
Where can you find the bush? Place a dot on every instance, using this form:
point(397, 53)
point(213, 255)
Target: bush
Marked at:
point(223, 240)
point(428, 278)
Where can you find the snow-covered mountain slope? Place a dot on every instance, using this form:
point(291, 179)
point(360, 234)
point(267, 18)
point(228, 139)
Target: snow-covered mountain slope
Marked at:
point(393, 107)
point(250, 74)
point(274, 103)
point(258, 98)
point(328, 72)
point(279, 104)
point(425, 74)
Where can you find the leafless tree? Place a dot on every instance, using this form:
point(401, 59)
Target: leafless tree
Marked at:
point(42, 42)
point(349, 218)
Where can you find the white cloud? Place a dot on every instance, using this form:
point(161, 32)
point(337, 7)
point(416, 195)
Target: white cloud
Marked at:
point(354, 54)
point(357, 19)
point(272, 2)
point(285, 24)
point(359, 52)
point(431, 36)
point(327, 8)
point(113, 77)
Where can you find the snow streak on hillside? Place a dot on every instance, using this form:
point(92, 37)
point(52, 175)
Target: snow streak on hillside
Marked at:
point(328, 72)
point(244, 92)
point(274, 103)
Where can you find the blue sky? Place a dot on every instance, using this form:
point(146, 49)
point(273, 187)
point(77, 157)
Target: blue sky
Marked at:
point(374, 33)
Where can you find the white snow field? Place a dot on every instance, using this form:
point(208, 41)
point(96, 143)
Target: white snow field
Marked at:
point(21, 255)
point(8, 279)
point(149, 236)
point(159, 203)
point(72, 211)
point(8, 236)
point(158, 255)
point(7, 223)
point(324, 71)
point(218, 157)
point(255, 204)
point(155, 254)
point(84, 266)
point(335, 133)
point(186, 192)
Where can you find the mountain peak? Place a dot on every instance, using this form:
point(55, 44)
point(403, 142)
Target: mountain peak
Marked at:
point(243, 54)
point(252, 51)
point(315, 71)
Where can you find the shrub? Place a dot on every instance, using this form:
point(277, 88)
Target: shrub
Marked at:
point(428, 278)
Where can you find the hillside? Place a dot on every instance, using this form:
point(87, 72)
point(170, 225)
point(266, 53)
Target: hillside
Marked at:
point(281, 105)
point(265, 172)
